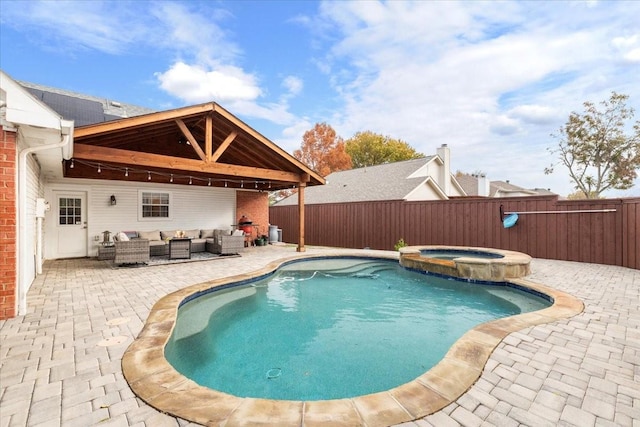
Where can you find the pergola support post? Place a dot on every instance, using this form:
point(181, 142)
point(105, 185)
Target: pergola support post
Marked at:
point(301, 187)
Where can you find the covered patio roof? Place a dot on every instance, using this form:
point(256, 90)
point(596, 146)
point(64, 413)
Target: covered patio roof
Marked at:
point(198, 145)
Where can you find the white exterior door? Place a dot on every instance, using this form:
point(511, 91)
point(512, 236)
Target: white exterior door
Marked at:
point(71, 224)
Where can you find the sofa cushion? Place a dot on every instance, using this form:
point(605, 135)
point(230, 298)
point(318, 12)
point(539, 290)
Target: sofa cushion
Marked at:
point(157, 243)
point(168, 234)
point(206, 234)
point(194, 234)
point(150, 235)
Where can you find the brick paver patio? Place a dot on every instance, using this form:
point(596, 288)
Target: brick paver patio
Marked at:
point(61, 362)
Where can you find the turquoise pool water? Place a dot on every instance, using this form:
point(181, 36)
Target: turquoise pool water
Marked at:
point(331, 328)
point(450, 254)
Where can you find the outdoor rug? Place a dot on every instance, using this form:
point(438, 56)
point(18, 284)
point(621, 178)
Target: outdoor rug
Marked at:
point(162, 260)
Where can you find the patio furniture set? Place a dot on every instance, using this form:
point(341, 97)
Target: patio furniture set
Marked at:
point(130, 247)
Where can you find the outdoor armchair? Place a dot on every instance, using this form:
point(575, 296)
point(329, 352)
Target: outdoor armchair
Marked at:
point(224, 244)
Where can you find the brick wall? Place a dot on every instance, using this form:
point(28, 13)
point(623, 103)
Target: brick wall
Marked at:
point(255, 206)
point(8, 260)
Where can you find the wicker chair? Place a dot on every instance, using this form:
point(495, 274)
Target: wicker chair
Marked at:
point(132, 251)
point(224, 244)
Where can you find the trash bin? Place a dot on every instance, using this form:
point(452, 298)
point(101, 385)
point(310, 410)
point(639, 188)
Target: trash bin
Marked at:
point(273, 233)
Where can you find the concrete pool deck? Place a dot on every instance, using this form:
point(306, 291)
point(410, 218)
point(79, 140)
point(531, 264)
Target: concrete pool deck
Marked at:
point(61, 363)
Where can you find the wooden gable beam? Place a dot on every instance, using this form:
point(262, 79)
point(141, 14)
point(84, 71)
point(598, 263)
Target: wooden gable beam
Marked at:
point(115, 155)
point(194, 144)
point(139, 121)
point(225, 144)
point(208, 137)
point(262, 139)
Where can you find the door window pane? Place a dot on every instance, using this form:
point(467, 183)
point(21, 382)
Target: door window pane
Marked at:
point(70, 211)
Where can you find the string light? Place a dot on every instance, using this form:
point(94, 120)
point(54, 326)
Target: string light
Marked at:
point(197, 180)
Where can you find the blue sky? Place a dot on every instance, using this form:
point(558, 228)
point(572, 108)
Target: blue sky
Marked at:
point(492, 80)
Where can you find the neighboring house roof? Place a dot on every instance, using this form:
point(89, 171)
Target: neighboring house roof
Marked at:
point(83, 109)
point(390, 181)
point(499, 188)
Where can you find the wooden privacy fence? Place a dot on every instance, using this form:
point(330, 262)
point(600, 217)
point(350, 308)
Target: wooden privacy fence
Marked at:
point(604, 231)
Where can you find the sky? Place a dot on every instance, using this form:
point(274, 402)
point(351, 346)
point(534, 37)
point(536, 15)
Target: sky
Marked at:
point(492, 80)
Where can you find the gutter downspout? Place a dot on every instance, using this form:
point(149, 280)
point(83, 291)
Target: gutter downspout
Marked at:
point(66, 140)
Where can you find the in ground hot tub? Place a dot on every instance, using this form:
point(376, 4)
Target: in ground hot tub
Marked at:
point(467, 262)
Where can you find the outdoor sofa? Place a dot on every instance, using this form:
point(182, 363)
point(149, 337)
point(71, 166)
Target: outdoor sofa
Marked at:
point(138, 246)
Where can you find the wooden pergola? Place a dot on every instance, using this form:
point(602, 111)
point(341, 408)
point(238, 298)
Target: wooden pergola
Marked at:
point(197, 145)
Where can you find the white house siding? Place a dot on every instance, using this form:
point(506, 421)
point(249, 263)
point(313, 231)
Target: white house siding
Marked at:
point(191, 208)
point(423, 192)
point(454, 191)
point(34, 189)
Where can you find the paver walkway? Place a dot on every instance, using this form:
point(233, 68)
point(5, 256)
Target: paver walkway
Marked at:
point(60, 364)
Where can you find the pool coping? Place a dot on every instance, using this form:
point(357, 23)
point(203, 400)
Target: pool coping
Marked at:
point(156, 382)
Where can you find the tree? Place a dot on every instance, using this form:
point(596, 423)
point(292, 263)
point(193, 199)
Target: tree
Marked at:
point(579, 195)
point(323, 150)
point(596, 150)
point(369, 149)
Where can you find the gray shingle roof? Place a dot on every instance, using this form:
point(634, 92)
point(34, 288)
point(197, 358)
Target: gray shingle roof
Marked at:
point(470, 185)
point(381, 182)
point(83, 109)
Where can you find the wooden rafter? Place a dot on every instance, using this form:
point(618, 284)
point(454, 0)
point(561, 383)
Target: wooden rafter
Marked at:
point(208, 137)
point(139, 121)
point(227, 141)
point(194, 144)
point(116, 155)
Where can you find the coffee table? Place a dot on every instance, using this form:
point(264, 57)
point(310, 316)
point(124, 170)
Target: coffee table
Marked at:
point(180, 248)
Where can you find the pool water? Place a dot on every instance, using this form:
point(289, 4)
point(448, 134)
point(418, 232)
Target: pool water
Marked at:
point(331, 328)
point(450, 254)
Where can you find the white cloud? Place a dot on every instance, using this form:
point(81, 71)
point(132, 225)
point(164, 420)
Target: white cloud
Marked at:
point(628, 47)
point(537, 114)
point(206, 64)
point(492, 81)
point(293, 85)
point(194, 84)
point(85, 25)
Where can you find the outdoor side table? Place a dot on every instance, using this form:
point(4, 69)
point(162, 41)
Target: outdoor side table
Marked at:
point(179, 248)
point(106, 252)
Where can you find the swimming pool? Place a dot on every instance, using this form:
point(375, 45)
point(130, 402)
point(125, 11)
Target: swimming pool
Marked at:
point(154, 380)
point(332, 328)
point(458, 253)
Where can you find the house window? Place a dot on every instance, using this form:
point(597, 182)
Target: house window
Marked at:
point(70, 211)
point(154, 205)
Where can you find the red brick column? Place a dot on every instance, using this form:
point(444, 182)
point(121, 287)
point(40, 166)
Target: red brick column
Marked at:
point(8, 259)
point(255, 206)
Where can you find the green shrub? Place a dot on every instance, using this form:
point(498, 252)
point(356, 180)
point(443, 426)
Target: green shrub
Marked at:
point(401, 244)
